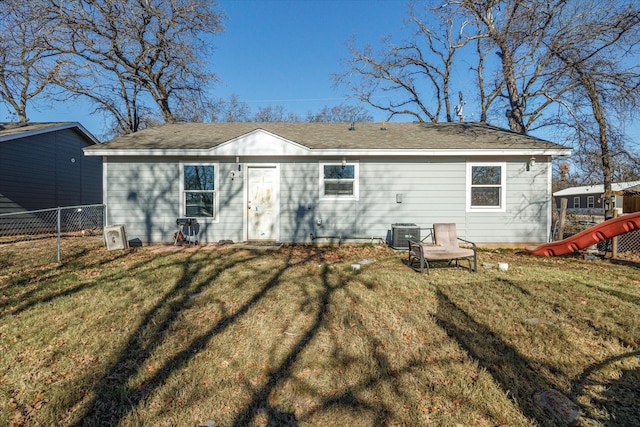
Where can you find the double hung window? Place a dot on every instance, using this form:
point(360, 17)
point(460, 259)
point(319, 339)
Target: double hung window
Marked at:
point(339, 180)
point(198, 190)
point(486, 186)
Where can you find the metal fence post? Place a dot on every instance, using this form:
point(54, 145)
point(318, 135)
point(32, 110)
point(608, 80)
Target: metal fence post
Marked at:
point(614, 239)
point(59, 232)
point(49, 224)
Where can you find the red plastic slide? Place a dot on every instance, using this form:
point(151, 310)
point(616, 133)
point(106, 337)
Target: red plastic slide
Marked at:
point(603, 231)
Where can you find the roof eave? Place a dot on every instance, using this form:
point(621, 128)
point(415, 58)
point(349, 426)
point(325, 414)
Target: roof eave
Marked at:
point(341, 152)
point(62, 126)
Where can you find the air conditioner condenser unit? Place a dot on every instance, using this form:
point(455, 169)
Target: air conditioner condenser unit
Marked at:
point(401, 233)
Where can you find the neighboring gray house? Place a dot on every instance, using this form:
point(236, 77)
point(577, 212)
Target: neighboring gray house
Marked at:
point(42, 166)
point(588, 199)
point(293, 182)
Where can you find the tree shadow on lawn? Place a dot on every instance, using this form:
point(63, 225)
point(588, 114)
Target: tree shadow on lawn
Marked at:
point(621, 397)
point(44, 291)
point(519, 378)
point(624, 296)
point(505, 364)
point(628, 263)
point(115, 398)
point(351, 397)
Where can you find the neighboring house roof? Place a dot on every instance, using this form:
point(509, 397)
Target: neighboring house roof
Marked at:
point(632, 191)
point(13, 131)
point(326, 138)
point(594, 189)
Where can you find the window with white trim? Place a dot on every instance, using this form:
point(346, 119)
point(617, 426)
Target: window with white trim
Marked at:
point(576, 202)
point(590, 201)
point(486, 184)
point(198, 189)
point(339, 181)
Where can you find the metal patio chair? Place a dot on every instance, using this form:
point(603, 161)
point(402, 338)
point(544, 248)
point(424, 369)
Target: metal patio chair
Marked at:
point(445, 247)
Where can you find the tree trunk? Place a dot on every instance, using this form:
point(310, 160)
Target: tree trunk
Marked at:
point(514, 114)
point(167, 115)
point(598, 113)
point(22, 115)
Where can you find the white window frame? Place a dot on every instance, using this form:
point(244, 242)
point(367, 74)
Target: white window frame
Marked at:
point(216, 178)
point(576, 198)
point(356, 180)
point(591, 202)
point(502, 207)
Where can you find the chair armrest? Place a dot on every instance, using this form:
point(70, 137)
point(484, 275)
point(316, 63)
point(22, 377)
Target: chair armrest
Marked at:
point(413, 244)
point(469, 242)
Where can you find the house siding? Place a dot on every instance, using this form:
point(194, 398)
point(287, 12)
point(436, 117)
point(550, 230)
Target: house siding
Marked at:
point(525, 219)
point(27, 177)
point(583, 208)
point(144, 194)
point(36, 172)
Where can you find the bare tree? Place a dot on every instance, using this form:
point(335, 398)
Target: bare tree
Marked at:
point(517, 30)
point(417, 74)
point(27, 67)
point(340, 113)
point(598, 51)
point(131, 54)
point(412, 78)
point(486, 95)
point(274, 113)
point(624, 160)
point(579, 57)
point(230, 110)
point(234, 110)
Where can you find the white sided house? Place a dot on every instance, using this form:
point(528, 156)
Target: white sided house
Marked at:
point(304, 182)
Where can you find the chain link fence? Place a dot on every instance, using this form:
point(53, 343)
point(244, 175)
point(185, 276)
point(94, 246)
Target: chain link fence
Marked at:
point(628, 244)
point(56, 223)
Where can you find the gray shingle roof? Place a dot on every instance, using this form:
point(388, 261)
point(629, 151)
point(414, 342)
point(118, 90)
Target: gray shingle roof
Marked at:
point(319, 136)
point(12, 131)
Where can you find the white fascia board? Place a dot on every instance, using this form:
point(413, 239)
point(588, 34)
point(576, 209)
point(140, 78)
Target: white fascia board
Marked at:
point(59, 127)
point(282, 151)
point(87, 133)
point(442, 152)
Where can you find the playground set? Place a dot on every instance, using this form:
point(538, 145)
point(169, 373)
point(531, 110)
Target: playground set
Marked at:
point(589, 237)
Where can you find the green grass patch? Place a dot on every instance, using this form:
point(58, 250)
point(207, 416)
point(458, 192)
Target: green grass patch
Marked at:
point(297, 337)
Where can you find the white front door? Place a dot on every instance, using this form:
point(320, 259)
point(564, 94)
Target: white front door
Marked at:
point(263, 203)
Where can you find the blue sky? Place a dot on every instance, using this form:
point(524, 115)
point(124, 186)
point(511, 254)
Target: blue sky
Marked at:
point(277, 52)
point(283, 52)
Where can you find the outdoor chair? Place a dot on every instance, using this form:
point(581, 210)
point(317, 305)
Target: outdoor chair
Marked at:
point(445, 246)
